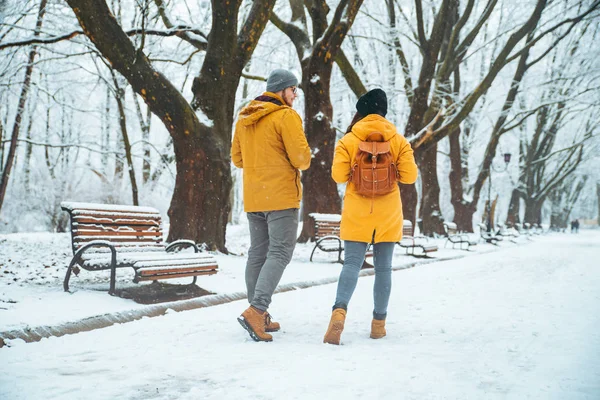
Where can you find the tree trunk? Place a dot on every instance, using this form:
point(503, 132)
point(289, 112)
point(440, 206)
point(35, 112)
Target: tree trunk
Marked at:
point(1, 146)
point(145, 128)
point(463, 210)
point(28, 152)
point(430, 202)
point(21, 106)
point(513, 218)
point(322, 191)
point(533, 211)
point(119, 97)
point(199, 206)
point(598, 200)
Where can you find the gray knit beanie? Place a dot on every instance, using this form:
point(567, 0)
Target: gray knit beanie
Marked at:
point(280, 79)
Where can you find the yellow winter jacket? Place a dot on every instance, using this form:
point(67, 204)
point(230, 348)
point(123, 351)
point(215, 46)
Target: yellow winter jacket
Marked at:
point(358, 222)
point(270, 145)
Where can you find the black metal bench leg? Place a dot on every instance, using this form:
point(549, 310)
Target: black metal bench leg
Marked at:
point(113, 271)
point(313, 252)
point(194, 281)
point(68, 275)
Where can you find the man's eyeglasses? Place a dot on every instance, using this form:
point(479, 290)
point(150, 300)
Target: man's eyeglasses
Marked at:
point(294, 89)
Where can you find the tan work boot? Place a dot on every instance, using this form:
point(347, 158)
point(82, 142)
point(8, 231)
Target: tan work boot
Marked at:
point(254, 322)
point(336, 326)
point(378, 328)
point(271, 326)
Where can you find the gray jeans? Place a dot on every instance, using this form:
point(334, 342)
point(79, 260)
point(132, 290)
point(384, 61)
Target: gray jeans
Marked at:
point(273, 237)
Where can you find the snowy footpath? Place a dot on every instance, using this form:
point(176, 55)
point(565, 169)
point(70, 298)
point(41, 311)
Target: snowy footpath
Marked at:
point(522, 322)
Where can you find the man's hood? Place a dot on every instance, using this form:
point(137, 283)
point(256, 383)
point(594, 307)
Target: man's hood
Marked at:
point(374, 123)
point(259, 108)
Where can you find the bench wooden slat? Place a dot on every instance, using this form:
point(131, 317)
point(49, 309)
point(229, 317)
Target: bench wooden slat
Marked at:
point(116, 228)
point(133, 211)
point(129, 240)
point(328, 229)
point(104, 252)
point(159, 261)
point(168, 276)
point(95, 233)
point(327, 223)
point(147, 256)
point(175, 269)
point(198, 262)
point(116, 221)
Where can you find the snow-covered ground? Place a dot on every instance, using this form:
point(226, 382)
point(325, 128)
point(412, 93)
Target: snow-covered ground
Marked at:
point(522, 321)
point(32, 268)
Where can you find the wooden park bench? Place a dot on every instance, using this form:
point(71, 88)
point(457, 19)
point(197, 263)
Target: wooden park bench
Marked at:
point(107, 236)
point(327, 236)
point(412, 243)
point(509, 233)
point(455, 237)
point(489, 237)
point(522, 231)
point(530, 229)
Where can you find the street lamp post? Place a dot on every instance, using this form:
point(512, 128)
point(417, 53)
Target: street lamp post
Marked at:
point(507, 157)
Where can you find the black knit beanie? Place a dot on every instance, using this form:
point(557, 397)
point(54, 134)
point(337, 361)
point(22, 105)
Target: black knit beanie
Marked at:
point(372, 102)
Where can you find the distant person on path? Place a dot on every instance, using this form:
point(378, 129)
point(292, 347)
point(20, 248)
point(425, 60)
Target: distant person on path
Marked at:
point(270, 145)
point(576, 225)
point(369, 218)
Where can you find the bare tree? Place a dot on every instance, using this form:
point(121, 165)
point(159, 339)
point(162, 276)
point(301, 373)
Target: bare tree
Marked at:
point(563, 200)
point(426, 103)
point(21, 106)
point(120, 97)
point(543, 166)
point(200, 204)
point(465, 206)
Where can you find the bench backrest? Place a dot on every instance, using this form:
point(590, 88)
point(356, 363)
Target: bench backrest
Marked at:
point(127, 227)
point(326, 225)
point(450, 228)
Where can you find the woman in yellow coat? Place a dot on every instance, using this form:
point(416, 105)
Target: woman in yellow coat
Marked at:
point(367, 219)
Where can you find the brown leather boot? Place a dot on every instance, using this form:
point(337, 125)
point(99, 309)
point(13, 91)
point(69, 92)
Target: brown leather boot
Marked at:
point(271, 326)
point(378, 328)
point(336, 326)
point(254, 322)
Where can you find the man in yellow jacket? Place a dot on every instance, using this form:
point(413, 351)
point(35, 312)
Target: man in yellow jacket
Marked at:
point(270, 145)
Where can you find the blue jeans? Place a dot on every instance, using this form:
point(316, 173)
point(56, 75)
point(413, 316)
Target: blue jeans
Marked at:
point(354, 255)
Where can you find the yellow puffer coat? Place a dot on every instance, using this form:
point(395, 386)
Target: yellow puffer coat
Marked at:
point(358, 222)
point(270, 145)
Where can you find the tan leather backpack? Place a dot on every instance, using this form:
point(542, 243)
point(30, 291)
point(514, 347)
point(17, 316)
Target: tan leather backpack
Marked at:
point(374, 171)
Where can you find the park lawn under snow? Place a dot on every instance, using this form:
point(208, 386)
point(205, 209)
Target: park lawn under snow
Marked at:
point(521, 322)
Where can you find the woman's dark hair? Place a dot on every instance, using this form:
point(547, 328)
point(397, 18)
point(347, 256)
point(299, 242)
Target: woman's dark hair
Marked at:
point(357, 117)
